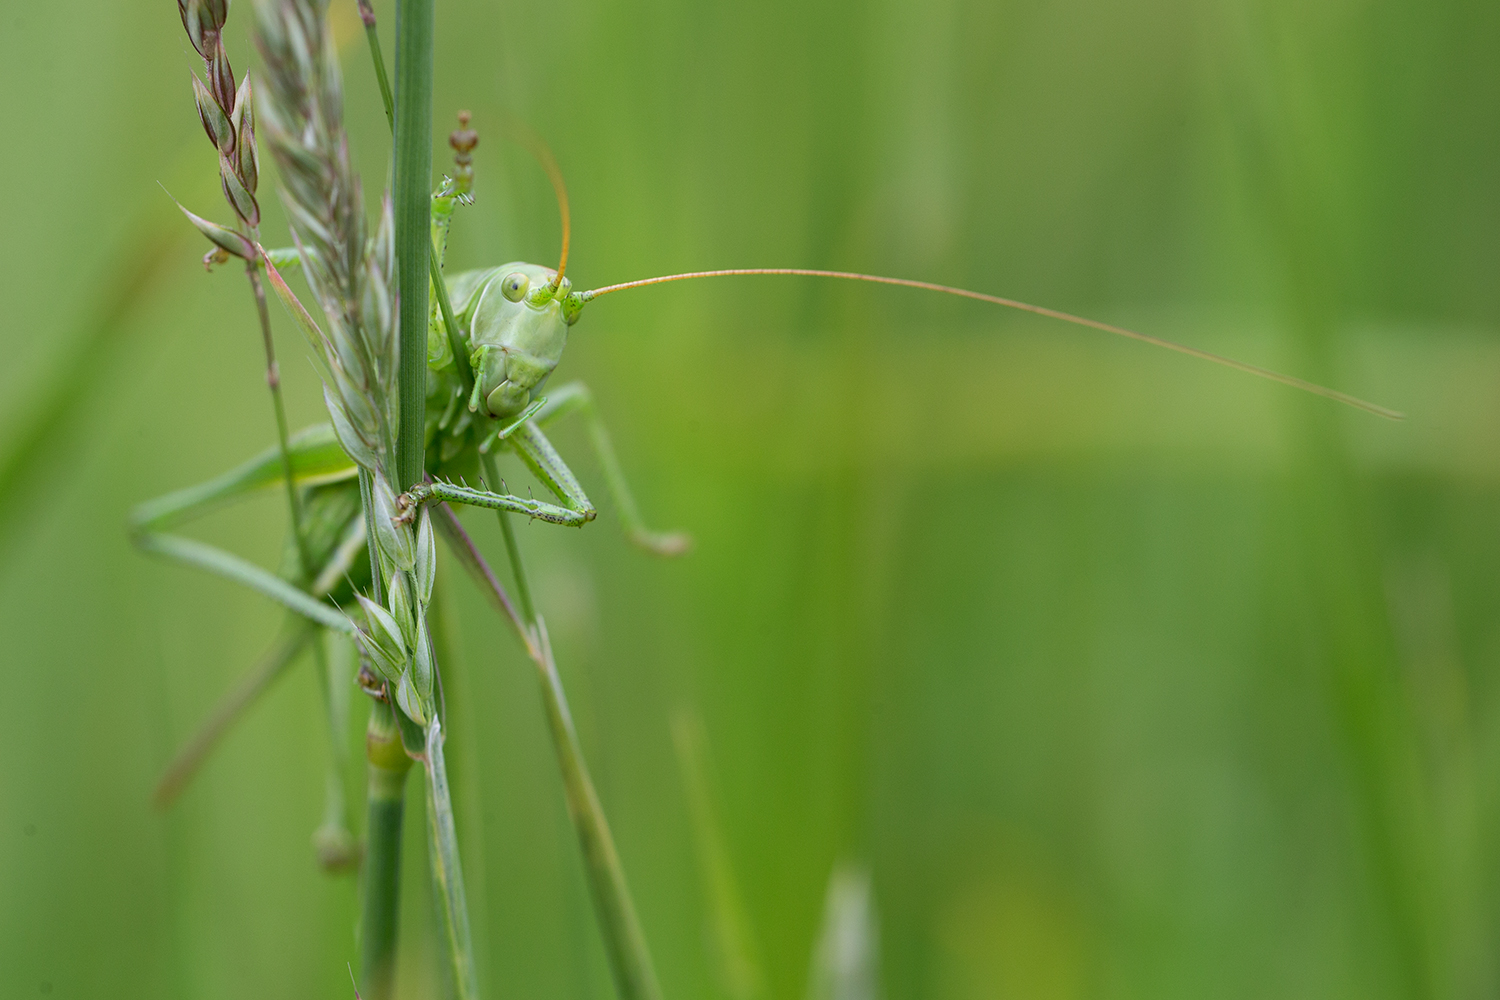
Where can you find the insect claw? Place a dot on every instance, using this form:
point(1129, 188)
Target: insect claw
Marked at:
point(369, 683)
point(407, 505)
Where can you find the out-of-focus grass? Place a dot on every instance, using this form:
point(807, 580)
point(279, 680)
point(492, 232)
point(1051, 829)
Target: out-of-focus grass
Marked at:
point(1124, 675)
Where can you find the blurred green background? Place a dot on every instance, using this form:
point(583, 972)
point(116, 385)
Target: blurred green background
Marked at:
point(1125, 675)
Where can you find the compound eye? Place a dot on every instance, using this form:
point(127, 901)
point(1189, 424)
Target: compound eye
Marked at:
point(514, 286)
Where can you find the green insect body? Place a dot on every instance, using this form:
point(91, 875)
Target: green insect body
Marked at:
point(513, 325)
point(515, 329)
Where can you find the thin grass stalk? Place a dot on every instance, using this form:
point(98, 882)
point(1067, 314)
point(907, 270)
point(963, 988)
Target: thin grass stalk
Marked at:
point(227, 114)
point(381, 904)
point(443, 624)
point(412, 191)
point(367, 15)
point(337, 848)
point(278, 405)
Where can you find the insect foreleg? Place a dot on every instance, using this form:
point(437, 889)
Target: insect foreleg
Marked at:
point(546, 464)
point(575, 397)
point(440, 491)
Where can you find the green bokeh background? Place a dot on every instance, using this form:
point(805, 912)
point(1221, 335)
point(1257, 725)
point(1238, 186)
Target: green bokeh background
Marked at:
point(1125, 675)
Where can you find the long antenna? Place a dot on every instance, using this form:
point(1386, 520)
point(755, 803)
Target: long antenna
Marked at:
point(538, 148)
point(929, 286)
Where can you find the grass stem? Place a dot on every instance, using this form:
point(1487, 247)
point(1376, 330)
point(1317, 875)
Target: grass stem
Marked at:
point(334, 841)
point(388, 764)
point(412, 193)
point(434, 269)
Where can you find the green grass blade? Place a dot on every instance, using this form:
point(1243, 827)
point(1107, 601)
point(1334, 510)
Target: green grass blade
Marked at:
point(729, 925)
point(434, 267)
point(411, 189)
point(447, 874)
point(846, 960)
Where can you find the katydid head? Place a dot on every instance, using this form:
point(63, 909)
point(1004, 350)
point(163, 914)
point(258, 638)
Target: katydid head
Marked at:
point(517, 335)
point(520, 321)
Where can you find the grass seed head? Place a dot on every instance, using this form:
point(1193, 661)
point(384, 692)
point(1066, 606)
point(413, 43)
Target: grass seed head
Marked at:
point(301, 116)
point(223, 108)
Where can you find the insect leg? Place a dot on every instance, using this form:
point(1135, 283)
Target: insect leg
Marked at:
point(575, 397)
point(546, 464)
point(441, 491)
point(232, 567)
point(543, 460)
point(316, 458)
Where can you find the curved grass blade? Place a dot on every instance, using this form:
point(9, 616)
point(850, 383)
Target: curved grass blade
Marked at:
point(733, 940)
point(846, 962)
